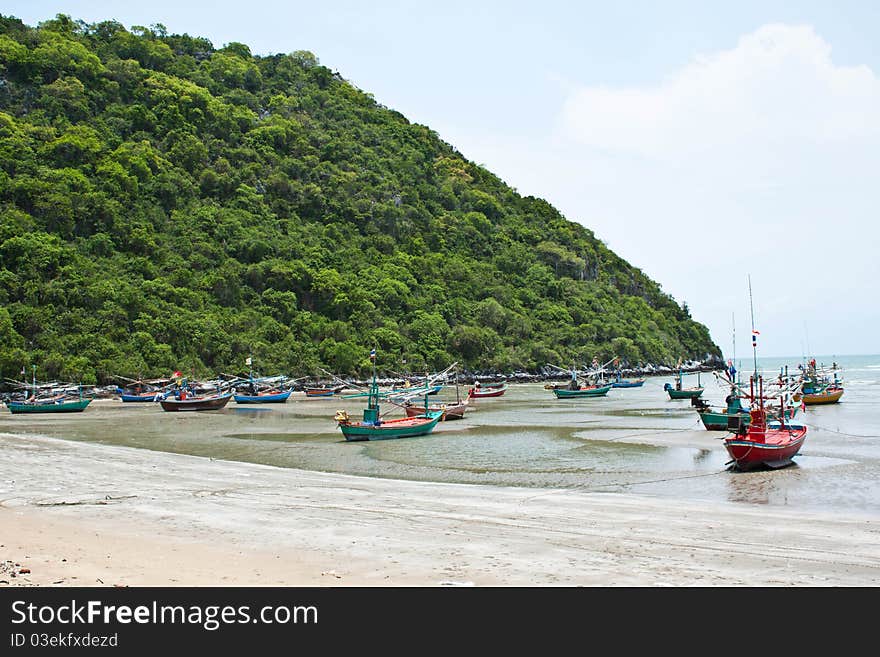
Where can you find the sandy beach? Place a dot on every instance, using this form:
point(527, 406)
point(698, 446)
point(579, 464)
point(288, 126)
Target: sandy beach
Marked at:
point(79, 514)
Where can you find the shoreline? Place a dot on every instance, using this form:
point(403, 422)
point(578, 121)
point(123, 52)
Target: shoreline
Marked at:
point(81, 514)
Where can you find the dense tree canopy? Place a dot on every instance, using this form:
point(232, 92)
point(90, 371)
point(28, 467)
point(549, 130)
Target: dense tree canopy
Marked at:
point(165, 205)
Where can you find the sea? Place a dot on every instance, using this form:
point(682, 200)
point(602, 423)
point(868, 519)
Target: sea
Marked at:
point(634, 440)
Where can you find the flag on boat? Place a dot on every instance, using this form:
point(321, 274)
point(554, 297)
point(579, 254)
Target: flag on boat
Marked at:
point(247, 361)
point(754, 332)
point(373, 354)
point(177, 374)
point(23, 371)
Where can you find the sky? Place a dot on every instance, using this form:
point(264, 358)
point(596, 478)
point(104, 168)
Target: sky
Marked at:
point(713, 145)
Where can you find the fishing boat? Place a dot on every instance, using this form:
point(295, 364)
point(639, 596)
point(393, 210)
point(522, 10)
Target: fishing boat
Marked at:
point(678, 391)
point(767, 441)
point(583, 391)
point(627, 383)
point(620, 382)
point(152, 396)
point(59, 404)
point(138, 390)
point(449, 410)
point(373, 427)
point(590, 383)
point(257, 389)
point(731, 417)
point(452, 410)
point(480, 391)
point(323, 392)
point(821, 385)
point(764, 443)
point(186, 402)
point(827, 395)
point(48, 403)
point(262, 397)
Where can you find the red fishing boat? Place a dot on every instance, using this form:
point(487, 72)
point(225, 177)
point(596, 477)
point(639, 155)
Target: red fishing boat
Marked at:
point(323, 392)
point(479, 392)
point(770, 440)
point(765, 442)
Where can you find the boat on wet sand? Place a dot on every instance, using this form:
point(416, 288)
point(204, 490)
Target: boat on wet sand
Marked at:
point(262, 397)
point(48, 403)
point(187, 402)
point(483, 391)
point(53, 405)
point(449, 410)
point(583, 391)
point(678, 391)
point(767, 441)
point(373, 427)
point(764, 443)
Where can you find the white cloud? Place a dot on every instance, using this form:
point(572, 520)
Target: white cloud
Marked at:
point(777, 85)
point(764, 159)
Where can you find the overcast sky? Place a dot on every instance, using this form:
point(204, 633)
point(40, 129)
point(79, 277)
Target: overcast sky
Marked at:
point(703, 142)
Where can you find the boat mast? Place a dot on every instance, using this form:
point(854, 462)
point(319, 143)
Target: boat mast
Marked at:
point(371, 412)
point(733, 360)
point(754, 341)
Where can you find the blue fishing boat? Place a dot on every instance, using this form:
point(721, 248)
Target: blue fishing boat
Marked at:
point(260, 389)
point(153, 396)
point(627, 383)
point(268, 397)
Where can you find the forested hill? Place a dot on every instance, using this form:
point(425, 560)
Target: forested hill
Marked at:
point(165, 204)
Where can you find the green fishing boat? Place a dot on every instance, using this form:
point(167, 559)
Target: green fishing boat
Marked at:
point(678, 391)
point(593, 391)
point(373, 427)
point(734, 416)
point(53, 404)
point(48, 406)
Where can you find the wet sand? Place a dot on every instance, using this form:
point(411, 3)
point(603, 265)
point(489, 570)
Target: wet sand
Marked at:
point(83, 514)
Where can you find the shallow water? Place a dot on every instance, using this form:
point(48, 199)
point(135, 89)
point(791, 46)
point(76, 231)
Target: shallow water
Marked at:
point(528, 438)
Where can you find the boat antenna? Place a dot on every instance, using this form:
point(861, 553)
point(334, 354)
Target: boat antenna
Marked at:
point(754, 334)
point(732, 367)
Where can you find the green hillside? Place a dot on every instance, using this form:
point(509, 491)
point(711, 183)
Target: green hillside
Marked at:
point(165, 205)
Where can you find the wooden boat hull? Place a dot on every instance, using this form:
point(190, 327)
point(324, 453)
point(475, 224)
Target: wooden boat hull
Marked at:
point(688, 393)
point(449, 411)
point(776, 450)
point(827, 397)
point(320, 392)
point(268, 398)
point(406, 427)
point(196, 403)
point(473, 393)
point(601, 391)
point(76, 406)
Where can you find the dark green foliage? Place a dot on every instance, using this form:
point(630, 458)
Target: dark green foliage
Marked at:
point(168, 205)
